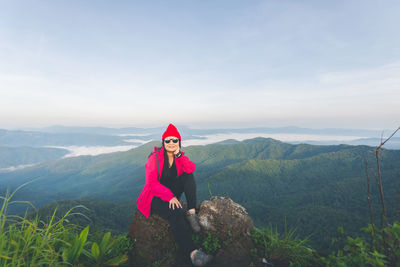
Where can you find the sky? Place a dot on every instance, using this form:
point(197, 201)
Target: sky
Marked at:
point(204, 64)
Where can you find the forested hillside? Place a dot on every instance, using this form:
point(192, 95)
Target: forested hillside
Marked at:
point(38, 139)
point(14, 156)
point(313, 188)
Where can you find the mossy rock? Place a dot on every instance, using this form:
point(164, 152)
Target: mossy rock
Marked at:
point(154, 244)
point(220, 219)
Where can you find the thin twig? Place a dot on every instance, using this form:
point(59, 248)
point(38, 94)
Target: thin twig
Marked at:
point(382, 143)
point(398, 204)
point(373, 237)
point(384, 213)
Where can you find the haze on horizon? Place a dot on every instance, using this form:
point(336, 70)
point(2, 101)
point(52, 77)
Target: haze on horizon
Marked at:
point(204, 64)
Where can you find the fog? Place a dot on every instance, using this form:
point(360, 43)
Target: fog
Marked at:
point(205, 140)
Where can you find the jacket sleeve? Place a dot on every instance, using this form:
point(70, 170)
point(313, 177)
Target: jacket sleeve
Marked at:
point(156, 187)
point(187, 165)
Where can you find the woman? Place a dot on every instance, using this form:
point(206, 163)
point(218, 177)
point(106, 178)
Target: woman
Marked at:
point(169, 173)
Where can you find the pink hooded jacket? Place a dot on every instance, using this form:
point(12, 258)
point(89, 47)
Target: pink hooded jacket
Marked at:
point(153, 187)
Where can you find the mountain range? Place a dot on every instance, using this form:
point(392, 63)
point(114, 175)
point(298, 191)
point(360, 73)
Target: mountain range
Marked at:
point(312, 188)
point(103, 136)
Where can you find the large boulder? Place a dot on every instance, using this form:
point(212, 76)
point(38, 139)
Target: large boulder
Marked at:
point(232, 225)
point(220, 217)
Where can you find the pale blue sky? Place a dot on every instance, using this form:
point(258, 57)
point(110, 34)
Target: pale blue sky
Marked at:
point(201, 63)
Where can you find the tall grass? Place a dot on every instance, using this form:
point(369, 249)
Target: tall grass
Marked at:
point(34, 242)
point(283, 250)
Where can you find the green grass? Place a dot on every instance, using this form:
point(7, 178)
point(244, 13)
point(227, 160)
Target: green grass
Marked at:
point(283, 250)
point(55, 242)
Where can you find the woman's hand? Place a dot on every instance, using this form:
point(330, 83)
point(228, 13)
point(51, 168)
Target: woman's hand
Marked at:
point(178, 153)
point(174, 201)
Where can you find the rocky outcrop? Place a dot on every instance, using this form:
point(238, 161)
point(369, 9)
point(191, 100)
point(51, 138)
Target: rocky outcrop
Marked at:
point(154, 244)
point(219, 217)
point(232, 225)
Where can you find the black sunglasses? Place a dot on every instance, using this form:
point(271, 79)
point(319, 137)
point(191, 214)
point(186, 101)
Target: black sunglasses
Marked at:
point(167, 140)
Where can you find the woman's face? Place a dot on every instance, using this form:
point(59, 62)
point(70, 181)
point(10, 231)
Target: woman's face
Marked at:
point(171, 146)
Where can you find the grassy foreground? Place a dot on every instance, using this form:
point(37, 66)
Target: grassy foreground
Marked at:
point(30, 241)
point(55, 242)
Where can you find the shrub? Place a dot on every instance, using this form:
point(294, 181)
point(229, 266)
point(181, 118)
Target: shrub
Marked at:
point(210, 243)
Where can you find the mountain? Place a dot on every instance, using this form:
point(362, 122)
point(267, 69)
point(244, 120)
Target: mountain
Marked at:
point(118, 175)
point(39, 139)
point(313, 188)
point(393, 144)
point(192, 131)
point(95, 130)
point(103, 136)
point(14, 156)
point(99, 215)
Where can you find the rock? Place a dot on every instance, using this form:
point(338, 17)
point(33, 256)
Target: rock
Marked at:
point(221, 217)
point(154, 244)
point(232, 225)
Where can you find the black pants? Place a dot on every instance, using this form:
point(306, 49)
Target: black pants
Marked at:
point(176, 217)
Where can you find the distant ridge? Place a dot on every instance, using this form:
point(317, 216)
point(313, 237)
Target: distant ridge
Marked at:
point(195, 131)
point(227, 142)
point(103, 136)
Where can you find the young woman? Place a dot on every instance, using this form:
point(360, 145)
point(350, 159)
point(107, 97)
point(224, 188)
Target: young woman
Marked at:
point(169, 173)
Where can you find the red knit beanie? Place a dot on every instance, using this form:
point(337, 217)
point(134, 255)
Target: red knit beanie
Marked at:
point(171, 131)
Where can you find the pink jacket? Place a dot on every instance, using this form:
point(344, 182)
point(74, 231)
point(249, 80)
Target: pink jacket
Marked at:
point(153, 187)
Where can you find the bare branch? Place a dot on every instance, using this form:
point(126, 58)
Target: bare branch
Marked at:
point(398, 204)
point(382, 143)
point(384, 213)
point(373, 237)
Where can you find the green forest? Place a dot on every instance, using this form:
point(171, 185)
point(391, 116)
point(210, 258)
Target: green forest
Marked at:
point(319, 192)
